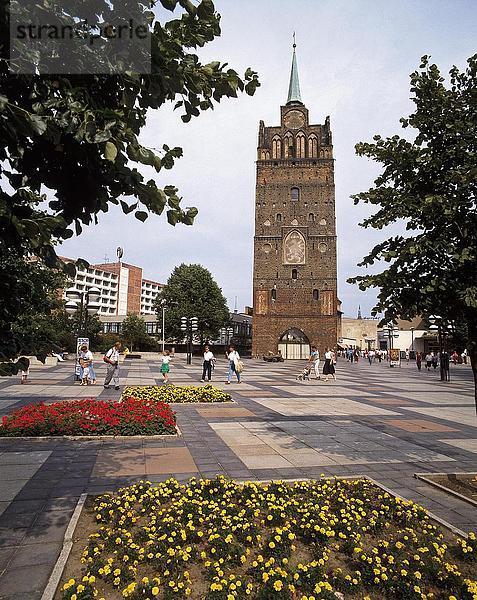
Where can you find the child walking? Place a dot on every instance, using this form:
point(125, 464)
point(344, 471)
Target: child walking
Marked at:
point(165, 368)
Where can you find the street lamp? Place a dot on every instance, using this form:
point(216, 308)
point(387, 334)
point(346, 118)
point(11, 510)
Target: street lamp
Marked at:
point(189, 325)
point(391, 331)
point(437, 324)
point(227, 333)
point(412, 339)
point(163, 307)
point(86, 304)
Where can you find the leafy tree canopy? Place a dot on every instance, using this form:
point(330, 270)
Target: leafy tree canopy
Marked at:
point(192, 292)
point(32, 289)
point(77, 136)
point(41, 333)
point(69, 144)
point(133, 329)
point(430, 184)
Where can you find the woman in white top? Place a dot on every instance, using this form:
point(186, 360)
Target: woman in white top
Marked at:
point(207, 366)
point(328, 367)
point(233, 358)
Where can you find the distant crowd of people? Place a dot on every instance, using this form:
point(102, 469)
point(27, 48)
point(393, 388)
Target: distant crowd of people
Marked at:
point(431, 359)
point(87, 375)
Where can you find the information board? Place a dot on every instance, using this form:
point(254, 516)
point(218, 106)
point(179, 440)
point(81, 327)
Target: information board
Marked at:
point(395, 357)
point(81, 341)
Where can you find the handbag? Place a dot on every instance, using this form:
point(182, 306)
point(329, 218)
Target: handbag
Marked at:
point(239, 366)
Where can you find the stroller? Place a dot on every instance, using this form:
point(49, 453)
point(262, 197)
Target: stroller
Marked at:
point(304, 375)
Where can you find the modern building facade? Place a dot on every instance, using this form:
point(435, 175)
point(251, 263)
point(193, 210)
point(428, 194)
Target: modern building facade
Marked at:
point(123, 289)
point(295, 273)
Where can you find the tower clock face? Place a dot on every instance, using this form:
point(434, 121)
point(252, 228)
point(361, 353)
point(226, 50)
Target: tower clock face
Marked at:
point(294, 119)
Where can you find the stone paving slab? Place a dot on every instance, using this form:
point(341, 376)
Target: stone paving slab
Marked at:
point(278, 428)
point(310, 406)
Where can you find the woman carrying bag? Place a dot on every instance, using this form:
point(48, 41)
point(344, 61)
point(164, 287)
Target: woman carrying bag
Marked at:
point(235, 364)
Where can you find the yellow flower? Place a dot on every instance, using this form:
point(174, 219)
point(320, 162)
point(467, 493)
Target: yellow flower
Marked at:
point(278, 585)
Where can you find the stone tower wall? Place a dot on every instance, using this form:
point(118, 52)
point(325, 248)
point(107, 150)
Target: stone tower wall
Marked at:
point(295, 279)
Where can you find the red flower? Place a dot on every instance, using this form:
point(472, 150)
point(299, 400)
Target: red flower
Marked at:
point(132, 416)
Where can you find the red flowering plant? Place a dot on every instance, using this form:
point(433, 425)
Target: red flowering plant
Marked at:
point(131, 416)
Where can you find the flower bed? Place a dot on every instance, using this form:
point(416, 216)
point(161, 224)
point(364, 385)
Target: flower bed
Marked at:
point(219, 540)
point(91, 417)
point(173, 394)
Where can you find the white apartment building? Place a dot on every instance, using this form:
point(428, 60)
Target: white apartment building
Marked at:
point(123, 289)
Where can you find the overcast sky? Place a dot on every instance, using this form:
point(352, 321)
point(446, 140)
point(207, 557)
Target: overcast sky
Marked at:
point(354, 61)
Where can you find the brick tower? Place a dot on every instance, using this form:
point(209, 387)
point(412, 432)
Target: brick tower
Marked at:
point(294, 278)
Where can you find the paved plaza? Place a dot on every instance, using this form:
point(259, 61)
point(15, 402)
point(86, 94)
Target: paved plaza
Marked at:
point(376, 421)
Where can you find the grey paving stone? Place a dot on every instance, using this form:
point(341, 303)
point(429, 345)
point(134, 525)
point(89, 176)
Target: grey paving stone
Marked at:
point(11, 537)
point(36, 554)
point(25, 580)
point(18, 520)
point(10, 489)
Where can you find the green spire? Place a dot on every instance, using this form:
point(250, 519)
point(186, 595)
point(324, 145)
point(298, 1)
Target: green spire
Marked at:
point(294, 87)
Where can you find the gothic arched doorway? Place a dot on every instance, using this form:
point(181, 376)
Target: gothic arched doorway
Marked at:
point(294, 344)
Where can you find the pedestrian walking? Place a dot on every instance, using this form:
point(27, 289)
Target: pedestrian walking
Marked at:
point(165, 366)
point(314, 360)
point(209, 359)
point(407, 356)
point(428, 361)
point(418, 360)
point(328, 367)
point(235, 364)
point(111, 358)
point(434, 361)
point(26, 370)
point(371, 356)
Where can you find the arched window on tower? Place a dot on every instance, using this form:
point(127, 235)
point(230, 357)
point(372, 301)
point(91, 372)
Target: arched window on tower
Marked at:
point(289, 149)
point(295, 194)
point(294, 274)
point(316, 295)
point(274, 294)
point(311, 217)
point(279, 217)
point(300, 145)
point(313, 146)
point(276, 147)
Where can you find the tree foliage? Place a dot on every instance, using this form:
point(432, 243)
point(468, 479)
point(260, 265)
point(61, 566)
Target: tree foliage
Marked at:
point(32, 290)
point(192, 292)
point(69, 144)
point(133, 329)
point(78, 135)
point(41, 333)
point(430, 185)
